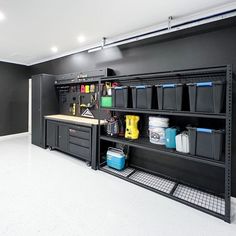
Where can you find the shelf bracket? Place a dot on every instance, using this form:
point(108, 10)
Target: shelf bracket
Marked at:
point(170, 18)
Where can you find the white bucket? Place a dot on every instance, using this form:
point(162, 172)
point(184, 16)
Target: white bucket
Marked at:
point(157, 126)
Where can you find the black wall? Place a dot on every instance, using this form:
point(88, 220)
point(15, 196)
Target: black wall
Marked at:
point(208, 45)
point(13, 98)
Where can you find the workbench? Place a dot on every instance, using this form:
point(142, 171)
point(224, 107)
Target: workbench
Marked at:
point(77, 136)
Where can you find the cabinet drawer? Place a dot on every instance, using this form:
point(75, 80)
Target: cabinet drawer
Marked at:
point(80, 132)
point(80, 151)
point(82, 142)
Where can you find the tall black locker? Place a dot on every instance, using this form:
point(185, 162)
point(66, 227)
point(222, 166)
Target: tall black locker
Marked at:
point(44, 102)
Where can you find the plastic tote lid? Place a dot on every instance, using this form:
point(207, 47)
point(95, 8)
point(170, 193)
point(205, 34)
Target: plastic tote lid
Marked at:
point(168, 85)
point(158, 122)
point(158, 119)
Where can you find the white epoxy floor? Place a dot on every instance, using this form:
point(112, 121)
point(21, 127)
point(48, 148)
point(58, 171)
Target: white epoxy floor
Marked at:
point(49, 193)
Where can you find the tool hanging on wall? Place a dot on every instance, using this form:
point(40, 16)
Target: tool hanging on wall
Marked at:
point(92, 102)
point(107, 89)
point(82, 88)
point(92, 88)
point(87, 88)
point(74, 109)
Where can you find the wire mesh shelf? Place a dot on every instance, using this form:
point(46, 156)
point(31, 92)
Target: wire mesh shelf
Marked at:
point(153, 181)
point(125, 173)
point(199, 198)
point(188, 194)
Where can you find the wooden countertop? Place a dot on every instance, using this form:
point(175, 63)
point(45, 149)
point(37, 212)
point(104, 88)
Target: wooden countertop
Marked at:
point(75, 119)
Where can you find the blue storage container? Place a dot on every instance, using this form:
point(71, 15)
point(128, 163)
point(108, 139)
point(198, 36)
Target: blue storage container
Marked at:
point(170, 134)
point(116, 158)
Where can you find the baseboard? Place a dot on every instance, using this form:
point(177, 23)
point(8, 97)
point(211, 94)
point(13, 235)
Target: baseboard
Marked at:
point(6, 137)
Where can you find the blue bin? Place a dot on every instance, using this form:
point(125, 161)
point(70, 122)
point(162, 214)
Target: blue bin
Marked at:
point(170, 134)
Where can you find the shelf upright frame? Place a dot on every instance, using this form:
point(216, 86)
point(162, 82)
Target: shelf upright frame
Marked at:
point(228, 143)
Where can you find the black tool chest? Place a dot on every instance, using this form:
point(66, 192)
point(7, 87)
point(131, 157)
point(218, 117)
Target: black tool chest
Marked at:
point(78, 140)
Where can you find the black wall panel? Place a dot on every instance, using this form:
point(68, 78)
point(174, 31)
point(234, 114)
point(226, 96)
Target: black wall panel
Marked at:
point(13, 98)
point(207, 45)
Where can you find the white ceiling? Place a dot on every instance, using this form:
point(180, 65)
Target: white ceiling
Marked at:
point(32, 27)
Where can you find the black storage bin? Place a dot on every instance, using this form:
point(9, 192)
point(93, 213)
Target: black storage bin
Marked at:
point(120, 97)
point(207, 96)
point(206, 142)
point(170, 96)
point(142, 96)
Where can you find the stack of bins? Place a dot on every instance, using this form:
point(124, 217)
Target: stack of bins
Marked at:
point(207, 97)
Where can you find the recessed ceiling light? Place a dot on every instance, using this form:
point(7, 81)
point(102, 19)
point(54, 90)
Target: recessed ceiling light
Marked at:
point(54, 49)
point(81, 39)
point(2, 16)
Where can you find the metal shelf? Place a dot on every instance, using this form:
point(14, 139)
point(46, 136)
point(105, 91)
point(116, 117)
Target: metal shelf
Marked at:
point(190, 196)
point(145, 144)
point(220, 70)
point(169, 113)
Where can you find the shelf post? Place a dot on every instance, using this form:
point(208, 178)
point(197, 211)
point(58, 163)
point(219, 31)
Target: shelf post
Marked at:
point(228, 143)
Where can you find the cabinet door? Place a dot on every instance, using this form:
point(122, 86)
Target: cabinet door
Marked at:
point(52, 134)
point(63, 138)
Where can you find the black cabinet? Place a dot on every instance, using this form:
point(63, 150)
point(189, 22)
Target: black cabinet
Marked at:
point(77, 140)
point(52, 134)
point(62, 137)
point(57, 135)
point(44, 102)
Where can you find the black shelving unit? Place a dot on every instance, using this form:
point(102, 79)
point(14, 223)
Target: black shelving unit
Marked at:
point(214, 203)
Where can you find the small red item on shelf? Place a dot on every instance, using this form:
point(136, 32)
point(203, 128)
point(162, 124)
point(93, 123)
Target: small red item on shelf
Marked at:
point(82, 89)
